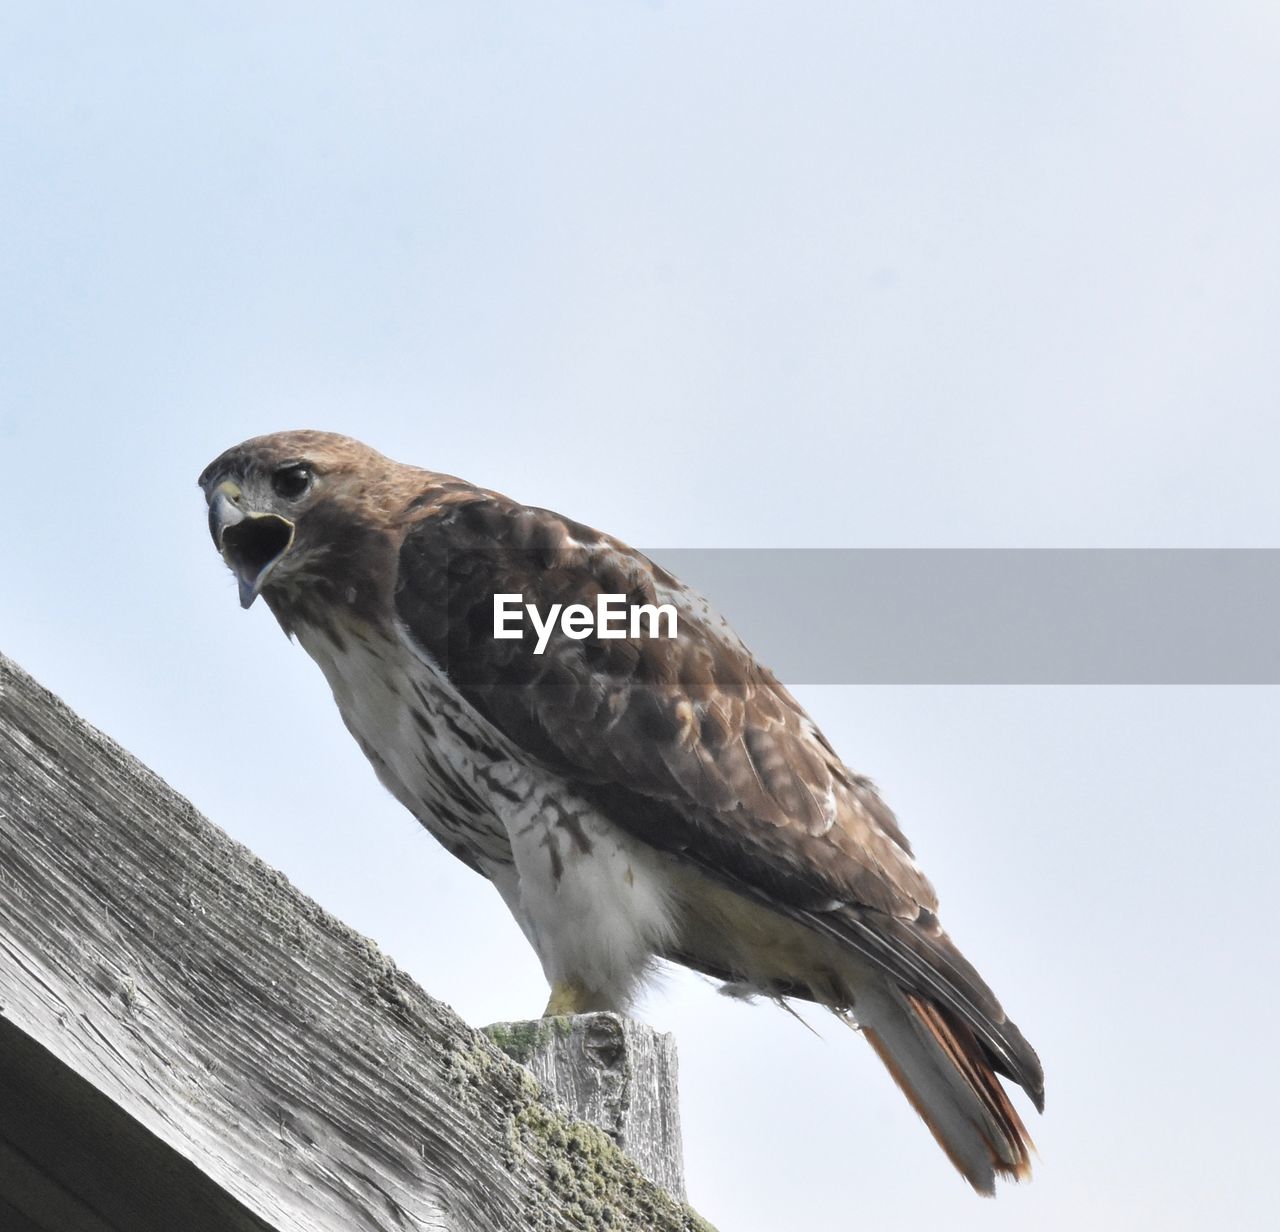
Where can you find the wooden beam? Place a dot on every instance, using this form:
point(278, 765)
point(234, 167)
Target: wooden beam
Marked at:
point(70, 1158)
point(250, 1034)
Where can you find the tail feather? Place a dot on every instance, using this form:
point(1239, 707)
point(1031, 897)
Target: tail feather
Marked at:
point(948, 1076)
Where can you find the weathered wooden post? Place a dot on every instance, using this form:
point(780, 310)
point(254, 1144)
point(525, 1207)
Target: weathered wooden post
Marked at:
point(613, 1072)
point(186, 1042)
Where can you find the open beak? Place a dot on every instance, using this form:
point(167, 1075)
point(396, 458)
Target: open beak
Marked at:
point(252, 544)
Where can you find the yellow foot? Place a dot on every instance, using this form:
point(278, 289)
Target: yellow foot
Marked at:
point(569, 998)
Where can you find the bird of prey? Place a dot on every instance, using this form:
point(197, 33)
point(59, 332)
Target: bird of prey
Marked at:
point(632, 798)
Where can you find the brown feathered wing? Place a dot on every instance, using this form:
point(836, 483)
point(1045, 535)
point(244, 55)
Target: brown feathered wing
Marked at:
point(693, 747)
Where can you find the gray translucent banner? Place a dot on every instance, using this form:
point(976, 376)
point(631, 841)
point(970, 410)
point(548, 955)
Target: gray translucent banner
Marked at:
point(997, 616)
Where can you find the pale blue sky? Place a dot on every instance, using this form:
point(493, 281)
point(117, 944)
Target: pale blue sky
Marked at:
point(703, 274)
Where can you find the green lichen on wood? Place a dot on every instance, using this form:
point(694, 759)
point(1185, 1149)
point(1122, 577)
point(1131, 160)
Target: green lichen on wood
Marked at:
point(579, 1179)
point(467, 1069)
point(586, 1181)
point(520, 1040)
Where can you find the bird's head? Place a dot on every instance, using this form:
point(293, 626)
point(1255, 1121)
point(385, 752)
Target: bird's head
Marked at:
point(293, 508)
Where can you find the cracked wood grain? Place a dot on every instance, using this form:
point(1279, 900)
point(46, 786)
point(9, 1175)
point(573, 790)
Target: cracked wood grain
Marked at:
point(273, 1048)
point(618, 1074)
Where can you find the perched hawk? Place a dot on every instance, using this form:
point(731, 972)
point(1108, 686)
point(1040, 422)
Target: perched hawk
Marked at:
point(631, 797)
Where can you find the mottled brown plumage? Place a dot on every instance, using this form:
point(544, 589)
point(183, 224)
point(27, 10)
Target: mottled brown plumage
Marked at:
point(675, 783)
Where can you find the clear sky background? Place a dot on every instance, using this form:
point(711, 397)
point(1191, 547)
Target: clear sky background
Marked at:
point(702, 274)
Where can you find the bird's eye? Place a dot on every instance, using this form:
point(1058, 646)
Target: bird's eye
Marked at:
point(291, 482)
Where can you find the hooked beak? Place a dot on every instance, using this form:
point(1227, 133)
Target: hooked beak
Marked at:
point(252, 544)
